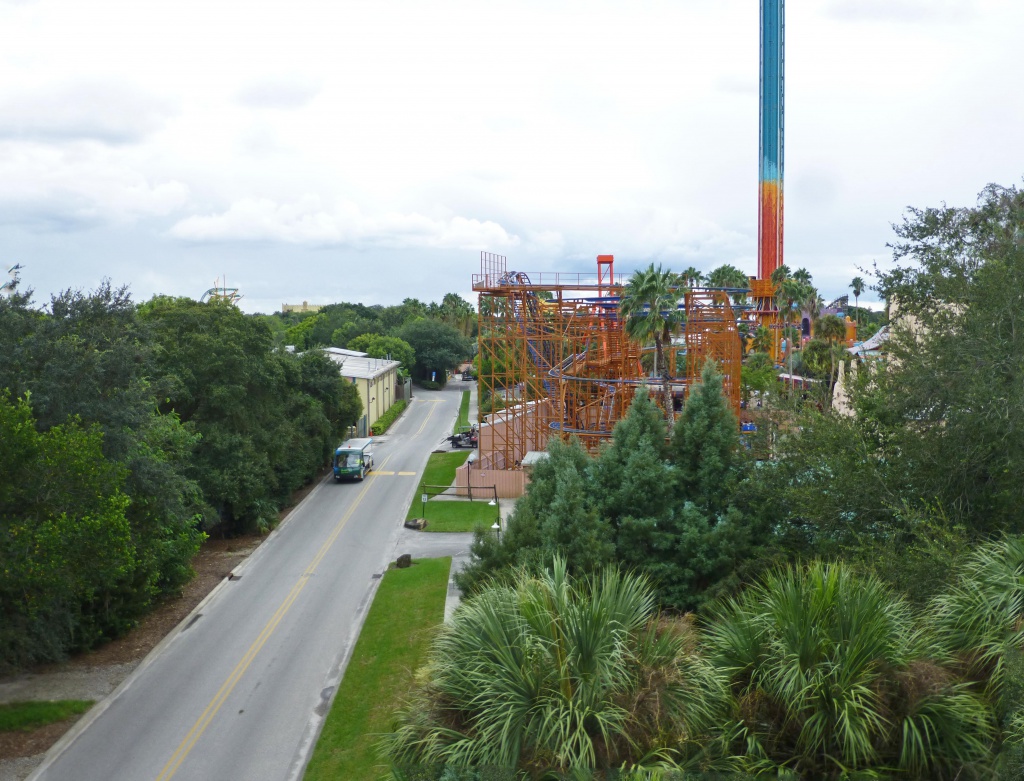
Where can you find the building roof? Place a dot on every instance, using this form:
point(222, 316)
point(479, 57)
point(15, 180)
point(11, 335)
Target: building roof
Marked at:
point(361, 367)
point(348, 353)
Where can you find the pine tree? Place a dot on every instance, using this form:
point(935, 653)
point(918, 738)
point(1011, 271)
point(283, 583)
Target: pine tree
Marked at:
point(704, 445)
point(632, 480)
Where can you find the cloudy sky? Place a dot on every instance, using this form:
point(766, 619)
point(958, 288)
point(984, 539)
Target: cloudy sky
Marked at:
point(326, 151)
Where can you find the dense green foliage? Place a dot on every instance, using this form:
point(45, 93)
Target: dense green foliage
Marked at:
point(380, 346)
point(676, 510)
point(383, 423)
point(93, 474)
point(833, 676)
point(553, 674)
point(902, 657)
point(127, 430)
point(812, 673)
point(439, 348)
point(268, 419)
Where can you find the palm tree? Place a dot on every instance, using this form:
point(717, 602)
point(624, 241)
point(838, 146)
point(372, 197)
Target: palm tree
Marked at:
point(691, 277)
point(802, 275)
point(812, 302)
point(649, 310)
point(780, 275)
point(789, 292)
point(551, 674)
point(982, 616)
point(726, 276)
point(833, 679)
point(762, 339)
point(832, 330)
point(858, 287)
point(457, 312)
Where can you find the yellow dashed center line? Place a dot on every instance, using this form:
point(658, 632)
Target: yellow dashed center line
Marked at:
point(426, 420)
point(186, 745)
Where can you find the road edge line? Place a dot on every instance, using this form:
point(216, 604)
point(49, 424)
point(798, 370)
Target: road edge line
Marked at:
point(97, 710)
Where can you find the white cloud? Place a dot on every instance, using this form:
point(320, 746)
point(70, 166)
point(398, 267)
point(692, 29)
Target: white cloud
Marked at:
point(307, 222)
point(279, 92)
point(910, 11)
point(431, 130)
point(79, 184)
point(105, 112)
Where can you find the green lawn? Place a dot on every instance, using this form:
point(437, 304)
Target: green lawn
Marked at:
point(463, 419)
point(440, 470)
point(458, 516)
point(408, 607)
point(25, 716)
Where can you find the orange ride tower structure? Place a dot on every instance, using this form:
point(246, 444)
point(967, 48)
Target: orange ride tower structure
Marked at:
point(772, 166)
point(555, 359)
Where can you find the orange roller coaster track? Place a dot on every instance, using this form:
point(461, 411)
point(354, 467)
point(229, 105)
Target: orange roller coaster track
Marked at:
point(555, 360)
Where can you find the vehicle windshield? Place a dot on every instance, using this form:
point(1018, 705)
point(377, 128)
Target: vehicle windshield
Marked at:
point(354, 459)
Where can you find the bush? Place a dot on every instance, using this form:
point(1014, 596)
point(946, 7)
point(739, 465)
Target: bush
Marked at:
point(428, 385)
point(384, 421)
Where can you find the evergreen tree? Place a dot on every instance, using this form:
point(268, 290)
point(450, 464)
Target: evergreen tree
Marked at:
point(633, 483)
point(530, 539)
point(704, 445)
point(571, 527)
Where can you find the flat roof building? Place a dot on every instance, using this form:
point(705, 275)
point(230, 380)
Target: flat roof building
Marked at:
point(375, 378)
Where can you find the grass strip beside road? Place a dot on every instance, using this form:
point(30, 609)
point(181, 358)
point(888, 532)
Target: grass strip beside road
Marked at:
point(463, 419)
point(26, 716)
point(448, 516)
point(457, 516)
point(440, 470)
point(408, 608)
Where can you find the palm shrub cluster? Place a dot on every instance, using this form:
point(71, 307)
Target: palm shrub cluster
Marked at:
point(833, 677)
point(814, 672)
point(552, 674)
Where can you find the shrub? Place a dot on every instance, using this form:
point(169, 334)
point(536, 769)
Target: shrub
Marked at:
point(554, 675)
point(833, 678)
point(384, 421)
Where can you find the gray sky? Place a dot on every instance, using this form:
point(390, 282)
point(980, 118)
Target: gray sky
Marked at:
point(328, 151)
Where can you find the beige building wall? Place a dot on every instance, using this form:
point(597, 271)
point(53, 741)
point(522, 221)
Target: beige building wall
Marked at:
point(377, 393)
point(305, 306)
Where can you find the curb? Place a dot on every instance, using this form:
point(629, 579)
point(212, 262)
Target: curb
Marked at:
point(100, 707)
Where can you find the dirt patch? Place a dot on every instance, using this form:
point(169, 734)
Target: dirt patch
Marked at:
point(93, 675)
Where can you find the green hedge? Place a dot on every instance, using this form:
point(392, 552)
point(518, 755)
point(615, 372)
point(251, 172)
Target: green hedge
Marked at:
point(384, 421)
point(428, 385)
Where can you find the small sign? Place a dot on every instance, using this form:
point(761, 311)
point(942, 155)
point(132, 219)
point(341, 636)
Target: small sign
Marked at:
point(424, 498)
point(433, 376)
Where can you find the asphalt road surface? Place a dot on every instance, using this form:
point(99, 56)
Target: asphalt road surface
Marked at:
point(239, 692)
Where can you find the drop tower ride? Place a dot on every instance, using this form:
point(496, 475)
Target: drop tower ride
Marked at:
point(772, 159)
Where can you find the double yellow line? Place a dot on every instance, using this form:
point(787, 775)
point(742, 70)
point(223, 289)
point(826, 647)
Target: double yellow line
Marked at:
point(186, 745)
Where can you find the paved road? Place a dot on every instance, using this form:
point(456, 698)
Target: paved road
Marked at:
point(240, 691)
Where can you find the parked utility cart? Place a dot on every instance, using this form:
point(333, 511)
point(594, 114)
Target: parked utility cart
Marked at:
point(464, 437)
point(353, 459)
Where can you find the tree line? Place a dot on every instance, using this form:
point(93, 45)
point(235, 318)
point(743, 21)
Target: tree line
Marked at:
point(128, 432)
point(428, 339)
point(832, 596)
